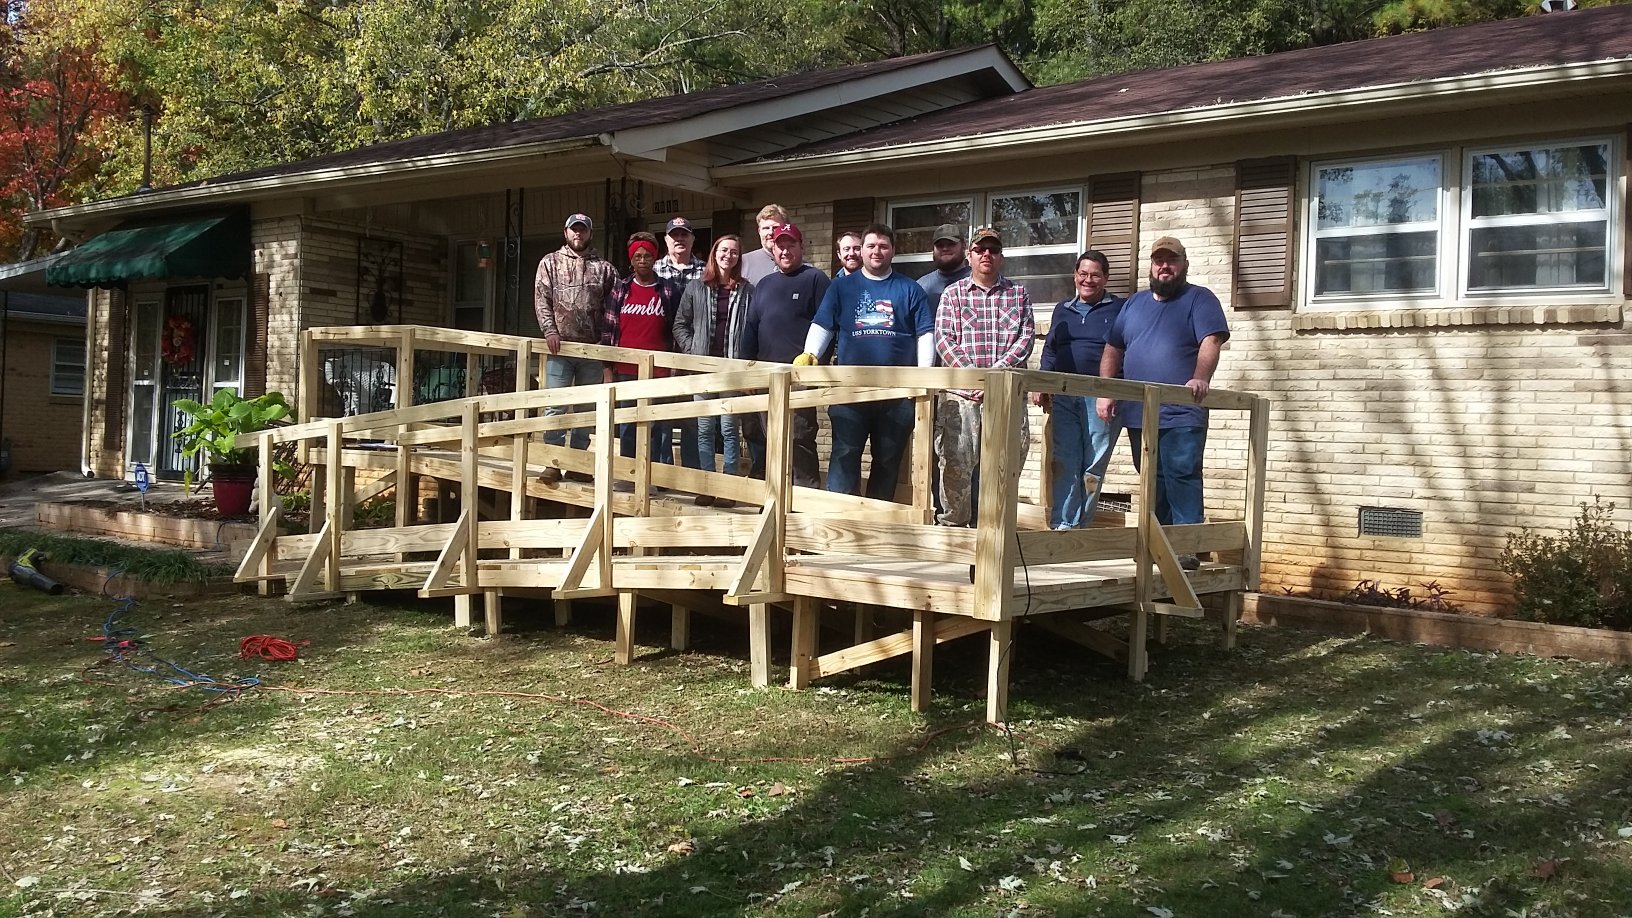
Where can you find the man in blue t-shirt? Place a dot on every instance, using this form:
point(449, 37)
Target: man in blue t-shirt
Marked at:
point(778, 321)
point(1171, 333)
point(881, 319)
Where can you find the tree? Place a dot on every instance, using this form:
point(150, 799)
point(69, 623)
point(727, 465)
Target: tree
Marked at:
point(52, 104)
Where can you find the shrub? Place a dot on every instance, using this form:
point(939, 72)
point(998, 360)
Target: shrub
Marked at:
point(1581, 576)
point(1373, 593)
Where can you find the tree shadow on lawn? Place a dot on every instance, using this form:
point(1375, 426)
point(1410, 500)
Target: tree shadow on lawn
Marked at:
point(1177, 793)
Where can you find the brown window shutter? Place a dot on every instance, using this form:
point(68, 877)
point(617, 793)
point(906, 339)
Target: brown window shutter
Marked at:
point(1113, 227)
point(115, 394)
point(1265, 202)
point(852, 215)
point(260, 304)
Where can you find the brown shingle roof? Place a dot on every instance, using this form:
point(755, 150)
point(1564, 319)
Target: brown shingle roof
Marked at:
point(1603, 33)
point(591, 123)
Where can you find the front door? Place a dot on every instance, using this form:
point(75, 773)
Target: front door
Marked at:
point(184, 339)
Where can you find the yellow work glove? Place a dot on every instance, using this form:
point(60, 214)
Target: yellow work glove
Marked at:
point(806, 359)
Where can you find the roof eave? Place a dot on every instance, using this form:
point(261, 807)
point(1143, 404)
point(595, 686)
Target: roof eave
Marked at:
point(1286, 110)
point(452, 164)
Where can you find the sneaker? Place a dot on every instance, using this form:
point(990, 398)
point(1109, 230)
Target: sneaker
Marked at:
point(583, 477)
point(704, 500)
point(724, 503)
point(551, 475)
point(1189, 562)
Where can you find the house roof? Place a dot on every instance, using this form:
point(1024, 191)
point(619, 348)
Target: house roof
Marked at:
point(1308, 75)
point(654, 120)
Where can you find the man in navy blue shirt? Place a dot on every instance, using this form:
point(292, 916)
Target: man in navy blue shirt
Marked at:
point(778, 319)
point(1171, 333)
point(1082, 443)
point(883, 319)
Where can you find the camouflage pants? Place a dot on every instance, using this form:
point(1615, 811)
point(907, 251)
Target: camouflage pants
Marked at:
point(957, 452)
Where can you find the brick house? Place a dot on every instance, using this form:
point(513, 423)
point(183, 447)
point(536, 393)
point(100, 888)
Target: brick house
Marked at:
point(1422, 243)
point(42, 373)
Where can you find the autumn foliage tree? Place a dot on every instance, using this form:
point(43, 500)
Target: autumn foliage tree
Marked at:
point(53, 102)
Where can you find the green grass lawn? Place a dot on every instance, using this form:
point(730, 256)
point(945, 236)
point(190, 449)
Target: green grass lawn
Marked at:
point(1299, 775)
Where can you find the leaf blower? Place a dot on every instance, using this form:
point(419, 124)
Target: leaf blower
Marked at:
point(25, 570)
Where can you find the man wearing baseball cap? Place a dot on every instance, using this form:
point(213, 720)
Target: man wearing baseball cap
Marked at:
point(950, 264)
point(778, 319)
point(570, 293)
point(984, 322)
point(1171, 333)
point(682, 266)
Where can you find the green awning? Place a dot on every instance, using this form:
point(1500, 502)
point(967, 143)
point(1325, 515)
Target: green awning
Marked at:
point(207, 247)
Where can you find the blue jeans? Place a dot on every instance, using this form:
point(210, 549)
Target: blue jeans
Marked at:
point(569, 371)
point(1178, 472)
point(1082, 446)
point(727, 425)
point(888, 425)
point(661, 450)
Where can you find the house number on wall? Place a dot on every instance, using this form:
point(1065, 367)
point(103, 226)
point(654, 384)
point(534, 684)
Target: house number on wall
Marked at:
point(667, 206)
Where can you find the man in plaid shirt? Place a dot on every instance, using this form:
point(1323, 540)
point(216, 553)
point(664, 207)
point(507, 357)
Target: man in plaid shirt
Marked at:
point(984, 322)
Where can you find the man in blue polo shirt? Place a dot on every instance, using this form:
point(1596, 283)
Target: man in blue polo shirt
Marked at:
point(882, 319)
point(1082, 443)
point(1171, 333)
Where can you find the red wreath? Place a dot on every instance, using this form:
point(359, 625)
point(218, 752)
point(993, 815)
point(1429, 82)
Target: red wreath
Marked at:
point(177, 344)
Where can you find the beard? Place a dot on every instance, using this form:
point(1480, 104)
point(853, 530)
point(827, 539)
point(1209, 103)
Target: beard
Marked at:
point(578, 246)
point(948, 264)
point(1168, 289)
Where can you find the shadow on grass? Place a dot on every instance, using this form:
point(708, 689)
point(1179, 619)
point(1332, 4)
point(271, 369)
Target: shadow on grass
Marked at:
point(1173, 794)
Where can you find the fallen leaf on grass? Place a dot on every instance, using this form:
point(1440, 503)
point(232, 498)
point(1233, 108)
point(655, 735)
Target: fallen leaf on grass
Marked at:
point(1434, 882)
point(684, 846)
point(1624, 831)
point(964, 863)
point(746, 792)
point(1403, 876)
point(280, 823)
point(1547, 869)
point(776, 790)
point(1159, 912)
point(27, 882)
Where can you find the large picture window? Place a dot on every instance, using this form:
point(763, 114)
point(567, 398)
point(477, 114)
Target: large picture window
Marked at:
point(1443, 228)
point(915, 223)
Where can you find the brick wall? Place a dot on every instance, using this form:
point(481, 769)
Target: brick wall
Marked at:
point(44, 429)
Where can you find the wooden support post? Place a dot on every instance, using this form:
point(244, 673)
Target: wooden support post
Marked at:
point(1257, 470)
point(624, 642)
point(923, 658)
point(493, 607)
point(1143, 575)
point(679, 626)
point(759, 644)
point(405, 393)
point(335, 518)
point(923, 458)
point(998, 658)
point(270, 506)
point(778, 477)
point(606, 447)
point(563, 612)
point(311, 377)
point(473, 374)
point(1000, 463)
point(863, 624)
point(807, 615)
point(643, 447)
point(518, 443)
point(469, 496)
point(1231, 615)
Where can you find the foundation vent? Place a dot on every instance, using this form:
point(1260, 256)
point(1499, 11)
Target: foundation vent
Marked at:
point(1391, 522)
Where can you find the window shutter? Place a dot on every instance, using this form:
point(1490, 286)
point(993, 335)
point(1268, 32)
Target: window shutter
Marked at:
point(260, 303)
point(115, 392)
point(852, 215)
point(1113, 227)
point(1265, 196)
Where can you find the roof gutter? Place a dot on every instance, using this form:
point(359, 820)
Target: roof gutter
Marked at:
point(1321, 104)
point(212, 193)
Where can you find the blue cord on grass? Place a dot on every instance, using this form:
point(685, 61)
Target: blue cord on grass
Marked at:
point(121, 643)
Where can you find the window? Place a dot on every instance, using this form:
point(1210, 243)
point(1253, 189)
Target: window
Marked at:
point(915, 224)
point(1376, 227)
point(227, 363)
point(68, 366)
point(1538, 218)
point(1042, 235)
point(1442, 228)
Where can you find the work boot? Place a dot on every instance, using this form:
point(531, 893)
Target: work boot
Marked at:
point(551, 475)
point(1189, 562)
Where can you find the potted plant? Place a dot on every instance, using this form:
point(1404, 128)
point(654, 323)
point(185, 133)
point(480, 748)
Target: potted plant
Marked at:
point(214, 430)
